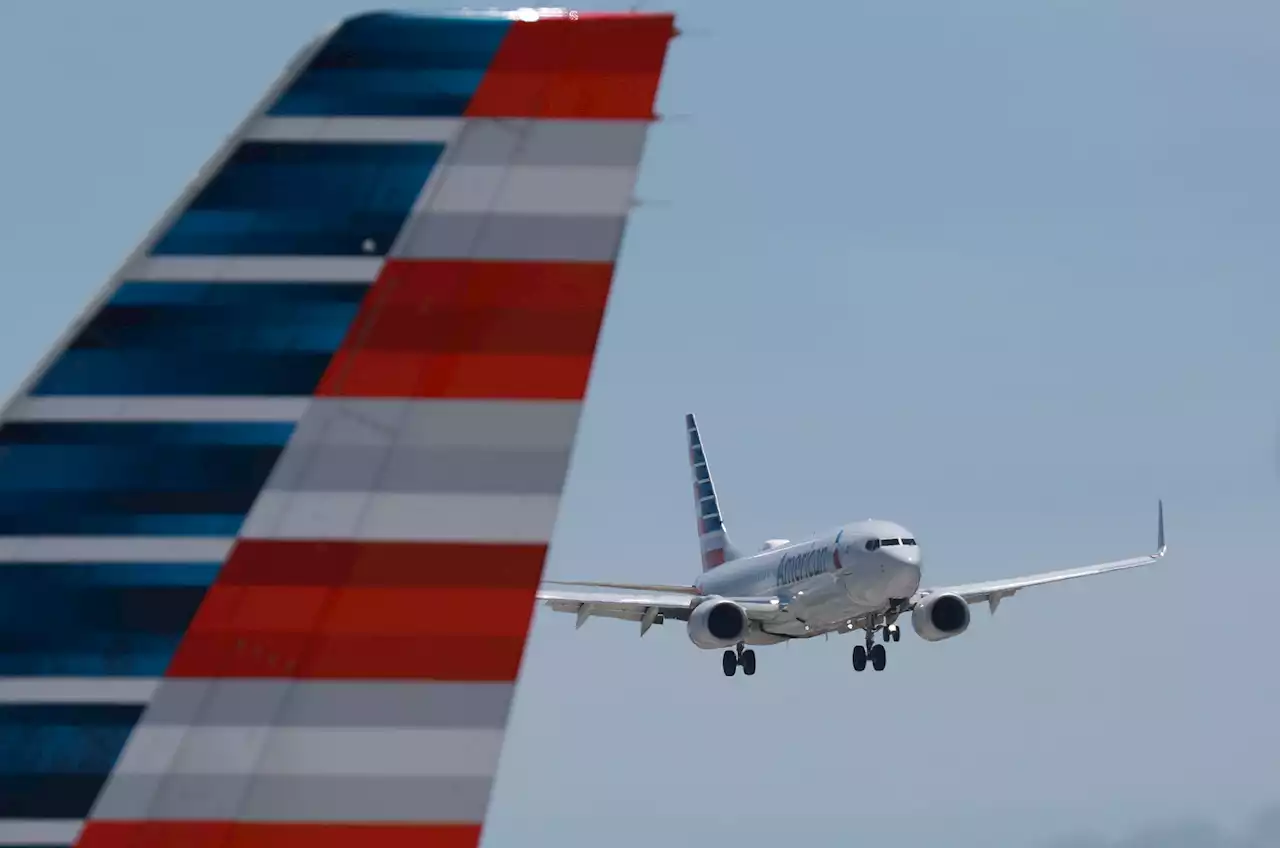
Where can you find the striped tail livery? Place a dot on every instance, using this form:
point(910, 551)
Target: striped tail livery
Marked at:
point(251, 500)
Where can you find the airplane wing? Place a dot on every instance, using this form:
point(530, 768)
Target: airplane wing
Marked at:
point(993, 591)
point(648, 606)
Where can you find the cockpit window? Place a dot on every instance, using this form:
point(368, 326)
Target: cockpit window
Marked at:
point(908, 541)
point(872, 544)
point(887, 542)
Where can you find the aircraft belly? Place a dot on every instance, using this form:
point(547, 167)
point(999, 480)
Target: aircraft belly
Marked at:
point(820, 607)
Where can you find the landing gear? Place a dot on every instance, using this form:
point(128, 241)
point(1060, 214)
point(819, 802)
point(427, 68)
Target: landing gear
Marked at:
point(860, 658)
point(871, 650)
point(878, 657)
point(732, 659)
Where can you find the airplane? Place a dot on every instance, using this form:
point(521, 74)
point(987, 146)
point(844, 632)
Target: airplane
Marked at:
point(864, 576)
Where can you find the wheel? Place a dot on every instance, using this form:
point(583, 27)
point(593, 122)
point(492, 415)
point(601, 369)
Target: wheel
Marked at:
point(730, 663)
point(859, 658)
point(897, 633)
point(748, 663)
point(878, 657)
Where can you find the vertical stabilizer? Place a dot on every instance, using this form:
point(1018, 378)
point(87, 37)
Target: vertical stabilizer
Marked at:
point(713, 536)
point(346, 367)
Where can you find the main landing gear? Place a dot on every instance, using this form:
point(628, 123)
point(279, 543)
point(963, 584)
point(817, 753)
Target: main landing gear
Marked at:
point(872, 651)
point(739, 657)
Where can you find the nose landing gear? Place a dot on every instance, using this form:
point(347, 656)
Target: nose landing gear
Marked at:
point(738, 657)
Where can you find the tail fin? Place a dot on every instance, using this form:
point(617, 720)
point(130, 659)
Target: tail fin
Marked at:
point(712, 533)
point(351, 351)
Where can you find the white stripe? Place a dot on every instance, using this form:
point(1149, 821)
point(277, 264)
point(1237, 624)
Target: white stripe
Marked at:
point(402, 517)
point(113, 549)
point(311, 752)
point(349, 129)
point(77, 690)
point(255, 269)
point(40, 831)
point(159, 409)
point(538, 190)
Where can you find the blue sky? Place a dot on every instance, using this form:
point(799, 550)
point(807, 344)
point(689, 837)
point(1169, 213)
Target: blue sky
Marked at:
point(1002, 272)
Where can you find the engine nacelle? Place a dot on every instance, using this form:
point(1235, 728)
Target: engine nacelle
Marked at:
point(717, 623)
point(774, 544)
point(940, 617)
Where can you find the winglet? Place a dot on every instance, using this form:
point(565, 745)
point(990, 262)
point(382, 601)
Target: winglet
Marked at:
point(1161, 546)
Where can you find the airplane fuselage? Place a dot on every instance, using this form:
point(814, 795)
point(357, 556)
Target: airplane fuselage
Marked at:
point(828, 580)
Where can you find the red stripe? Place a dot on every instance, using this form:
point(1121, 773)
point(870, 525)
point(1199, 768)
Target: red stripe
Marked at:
point(713, 558)
point(365, 610)
point(250, 611)
point(208, 834)
point(520, 330)
point(311, 656)
point(595, 67)
point(262, 562)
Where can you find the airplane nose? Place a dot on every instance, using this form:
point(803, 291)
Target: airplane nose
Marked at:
point(904, 578)
point(905, 554)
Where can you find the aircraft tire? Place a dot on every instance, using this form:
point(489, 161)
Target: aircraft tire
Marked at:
point(730, 663)
point(748, 663)
point(878, 657)
point(859, 658)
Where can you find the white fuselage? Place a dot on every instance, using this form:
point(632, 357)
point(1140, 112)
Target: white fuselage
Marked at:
point(827, 581)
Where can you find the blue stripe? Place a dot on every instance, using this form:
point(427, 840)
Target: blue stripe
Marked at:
point(49, 796)
point(182, 373)
point(207, 339)
point(254, 295)
point(396, 65)
point(296, 199)
point(168, 479)
point(51, 739)
point(99, 618)
point(116, 524)
point(168, 468)
point(265, 433)
point(705, 490)
point(280, 327)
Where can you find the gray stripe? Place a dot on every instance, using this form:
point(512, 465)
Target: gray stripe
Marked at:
point(528, 190)
point(527, 142)
point(248, 703)
point(402, 517)
point(535, 238)
point(299, 799)
point(256, 269)
point(159, 409)
point(497, 425)
point(348, 468)
point(312, 752)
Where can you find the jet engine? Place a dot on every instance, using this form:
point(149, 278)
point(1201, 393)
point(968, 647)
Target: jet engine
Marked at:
point(717, 623)
point(940, 617)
